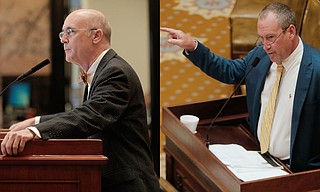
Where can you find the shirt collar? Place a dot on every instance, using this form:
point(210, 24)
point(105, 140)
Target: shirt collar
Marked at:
point(94, 66)
point(287, 63)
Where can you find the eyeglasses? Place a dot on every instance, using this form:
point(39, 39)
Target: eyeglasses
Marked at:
point(270, 39)
point(69, 32)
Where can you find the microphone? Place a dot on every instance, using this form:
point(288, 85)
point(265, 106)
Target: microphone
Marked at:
point(33, 70)
point(253, 64)
point(25, 75)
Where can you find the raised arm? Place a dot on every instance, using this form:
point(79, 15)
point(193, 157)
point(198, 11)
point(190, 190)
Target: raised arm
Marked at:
point(179, 38)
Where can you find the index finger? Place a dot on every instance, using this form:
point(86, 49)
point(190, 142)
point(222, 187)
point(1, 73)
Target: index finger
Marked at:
point(168, 30)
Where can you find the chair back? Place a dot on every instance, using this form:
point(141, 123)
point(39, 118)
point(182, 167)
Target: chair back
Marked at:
point(299, 7)
point(310, 31)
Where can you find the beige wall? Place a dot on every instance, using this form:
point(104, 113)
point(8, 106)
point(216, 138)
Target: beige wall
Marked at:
point(130, 27)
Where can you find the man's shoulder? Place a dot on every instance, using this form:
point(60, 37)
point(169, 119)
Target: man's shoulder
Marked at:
point(311, 49)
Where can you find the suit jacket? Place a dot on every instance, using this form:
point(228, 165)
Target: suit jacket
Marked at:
point(114, 112)
point(305, 129)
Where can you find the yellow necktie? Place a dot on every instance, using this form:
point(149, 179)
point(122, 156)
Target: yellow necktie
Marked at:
point(268, 115)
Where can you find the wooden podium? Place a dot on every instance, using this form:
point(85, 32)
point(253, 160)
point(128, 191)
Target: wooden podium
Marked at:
point(55, 165)
point(190, 166)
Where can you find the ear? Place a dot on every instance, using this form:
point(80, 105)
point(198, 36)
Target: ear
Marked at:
point(292, 29)
point(97, 36)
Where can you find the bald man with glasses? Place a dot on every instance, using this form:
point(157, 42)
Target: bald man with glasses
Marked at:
point(113, 109)
point(288, 126)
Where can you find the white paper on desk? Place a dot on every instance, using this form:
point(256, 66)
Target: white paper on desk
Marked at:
point(254, 174)
point(246, 165)
point(233, 154)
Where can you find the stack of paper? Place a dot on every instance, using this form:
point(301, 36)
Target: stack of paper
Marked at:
point(246, 165)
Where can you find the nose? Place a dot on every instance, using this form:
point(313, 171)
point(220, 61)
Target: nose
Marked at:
point(266, 46)
point(63, 39)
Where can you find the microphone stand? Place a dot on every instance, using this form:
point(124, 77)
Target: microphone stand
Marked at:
point(25, 75)
point(254, 63)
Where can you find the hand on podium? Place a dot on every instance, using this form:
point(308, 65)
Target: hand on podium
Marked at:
point(15, 141)
point(22, 125)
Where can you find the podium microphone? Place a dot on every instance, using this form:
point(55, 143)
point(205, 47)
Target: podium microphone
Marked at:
point(27, 74)
point(254, 63)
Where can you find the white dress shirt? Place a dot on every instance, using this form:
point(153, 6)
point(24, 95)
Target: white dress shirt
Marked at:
point(281, 127)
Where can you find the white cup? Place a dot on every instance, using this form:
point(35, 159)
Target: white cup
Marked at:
point(190, 121)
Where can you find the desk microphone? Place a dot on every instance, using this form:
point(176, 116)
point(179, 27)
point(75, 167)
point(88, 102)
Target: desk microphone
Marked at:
point(254, 63)
point(25, 75)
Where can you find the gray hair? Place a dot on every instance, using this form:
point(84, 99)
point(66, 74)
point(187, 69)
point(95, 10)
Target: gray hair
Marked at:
point(283, 13)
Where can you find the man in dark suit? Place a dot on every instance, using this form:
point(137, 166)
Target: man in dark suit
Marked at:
point(113, 109)
point(295, 129)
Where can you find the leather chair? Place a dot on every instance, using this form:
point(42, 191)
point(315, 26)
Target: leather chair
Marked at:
point(243, 20)
point(310, 31)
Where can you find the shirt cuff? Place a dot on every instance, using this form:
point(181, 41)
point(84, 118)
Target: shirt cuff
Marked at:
point(37, 120)
point(188, 52)
point(36, 131)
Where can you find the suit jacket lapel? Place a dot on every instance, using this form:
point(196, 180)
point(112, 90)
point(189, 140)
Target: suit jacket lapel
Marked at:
point(302, 87)
point(104, 61)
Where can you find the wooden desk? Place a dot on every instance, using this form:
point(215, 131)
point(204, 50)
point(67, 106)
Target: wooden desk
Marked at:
point(71, 165)
point(190, 166)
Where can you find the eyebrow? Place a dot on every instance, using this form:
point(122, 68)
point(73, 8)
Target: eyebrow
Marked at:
point(68, 28)
point(269, 34)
